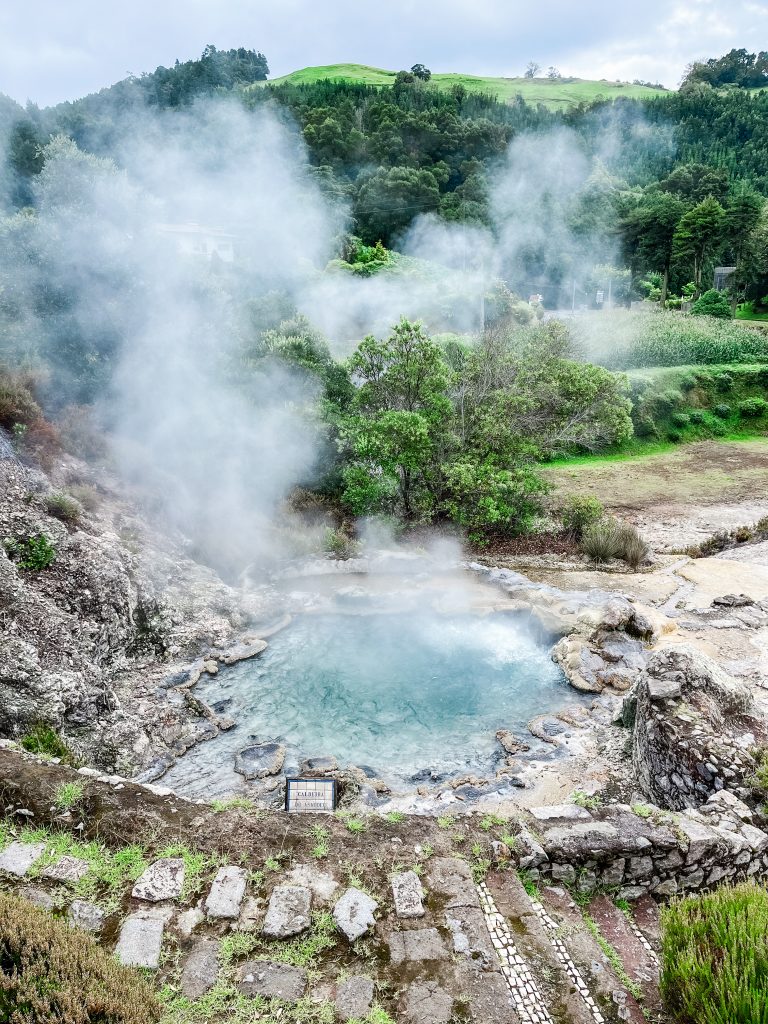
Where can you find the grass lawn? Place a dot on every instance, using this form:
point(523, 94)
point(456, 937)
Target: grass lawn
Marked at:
point(558, 94)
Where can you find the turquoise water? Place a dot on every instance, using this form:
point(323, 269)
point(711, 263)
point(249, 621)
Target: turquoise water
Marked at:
point(396, 693)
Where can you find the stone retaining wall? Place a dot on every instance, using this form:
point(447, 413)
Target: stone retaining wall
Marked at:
point(645, 849)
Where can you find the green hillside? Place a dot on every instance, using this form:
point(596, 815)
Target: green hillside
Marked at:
point(555, 94)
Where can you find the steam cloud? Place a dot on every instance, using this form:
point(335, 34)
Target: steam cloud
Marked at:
point(224, 455)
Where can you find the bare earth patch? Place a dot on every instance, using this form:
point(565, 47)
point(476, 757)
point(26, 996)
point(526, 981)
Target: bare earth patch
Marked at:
point(681, 497)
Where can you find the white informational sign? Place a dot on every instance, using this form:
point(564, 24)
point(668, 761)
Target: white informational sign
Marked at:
point(302, 795)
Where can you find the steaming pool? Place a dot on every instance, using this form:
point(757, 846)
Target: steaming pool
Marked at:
point(397, 694)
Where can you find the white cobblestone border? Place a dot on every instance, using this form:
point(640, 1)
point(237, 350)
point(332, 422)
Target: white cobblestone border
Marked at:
point(564, 957)
point(526, 996)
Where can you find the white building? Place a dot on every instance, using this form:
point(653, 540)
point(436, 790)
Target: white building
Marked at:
point(197, 240)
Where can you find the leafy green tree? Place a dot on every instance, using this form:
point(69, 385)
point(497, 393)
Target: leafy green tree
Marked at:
point(742, 216)
point(698, 235)
point(650, 228)
point(713, 303)
point(422, 72)
point(400, 423)
point(389, 199)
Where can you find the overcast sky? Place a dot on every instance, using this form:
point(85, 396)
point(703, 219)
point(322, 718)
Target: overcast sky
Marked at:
point(52, 50)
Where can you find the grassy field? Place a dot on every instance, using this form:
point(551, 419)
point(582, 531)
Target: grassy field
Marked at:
point(553, 94)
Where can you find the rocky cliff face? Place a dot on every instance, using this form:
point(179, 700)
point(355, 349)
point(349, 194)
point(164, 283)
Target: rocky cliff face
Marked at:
point(86, 641)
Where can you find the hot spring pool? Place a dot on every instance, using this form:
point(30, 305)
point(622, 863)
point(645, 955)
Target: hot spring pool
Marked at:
point(395, 693)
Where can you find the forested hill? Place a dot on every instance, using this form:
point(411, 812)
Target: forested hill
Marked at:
point(424, 144)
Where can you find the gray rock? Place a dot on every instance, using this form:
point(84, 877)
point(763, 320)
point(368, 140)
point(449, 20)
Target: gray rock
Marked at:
point(353, 913)
point(324, 886)
point(187, 921)
point(66, 869)
point(288, 912)
point(319, 766)
point(568, 812)
point(664, 689)
point(226, 895)
point(564, 873)
point(613, 874)
point(201, 969)
point(272, 980)
point(39, 897)
point(423, 944)
point(427, 1003)
point(354, 997)
point(162, 880)
point(756, 838)
point(86, 916)
point(666, 888)
point(251, 913)
point(260, 760)
point(530, 852)
point(141, 938)
point(408, 894)
point(701, 838)
point(18, 858)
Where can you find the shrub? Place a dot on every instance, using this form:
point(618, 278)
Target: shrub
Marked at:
point(723, 410)
point(645, 426)
point(698, 416)
point(340, 544)
point(681, 419)
point(600, 541)
point(753, 407)
point(669, 399)
point(42, 739)
point(688, 382)
point(34, 553)
point(63, 507)
point(674, 436)
point(17, 403)
point(713, 303)
point(723, 381)
point(53, 974)
point(630, 545)
point(715, 956)
point(610, 538)
point(581, 511)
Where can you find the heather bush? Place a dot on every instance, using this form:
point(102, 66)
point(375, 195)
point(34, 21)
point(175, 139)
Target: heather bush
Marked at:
point(53, 974)
point(715, 956)
point(64, 507)
point(697, 416)
point(723, 410)
point(681, 419)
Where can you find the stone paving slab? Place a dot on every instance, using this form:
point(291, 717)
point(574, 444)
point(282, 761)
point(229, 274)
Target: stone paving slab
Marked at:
point(408, 894)
point(452, 878)
point(354, 997)
point(420, 944)
point(427, 1003)
point(162, 881)
point(353, 913)
point(227, 892)
point(86, 916)
point(18, 858)
point(66, 869)
point(141, 939)
point(288, 912)
point(201, 969)
point(272, 980)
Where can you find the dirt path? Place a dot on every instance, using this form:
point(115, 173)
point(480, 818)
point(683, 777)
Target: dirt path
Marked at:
point(677, 498)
